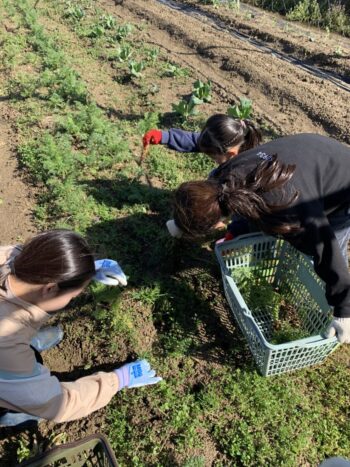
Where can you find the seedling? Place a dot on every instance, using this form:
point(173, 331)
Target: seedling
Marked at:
point(201, 92)
point(124, 53)
point(75, 12)
point(123, 31)
point(96, 31)
point(108, 22)
point(136, 68)
point(185, 108)
point(242, 110)
point(173, 70)
point(153, 54)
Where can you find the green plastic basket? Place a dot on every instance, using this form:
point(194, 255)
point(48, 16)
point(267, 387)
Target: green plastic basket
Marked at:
point(279, 263)
point(92, 451)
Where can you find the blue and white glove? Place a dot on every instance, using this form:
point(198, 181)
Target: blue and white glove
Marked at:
point(109, 272)
point(136, 374)
point(339, 327)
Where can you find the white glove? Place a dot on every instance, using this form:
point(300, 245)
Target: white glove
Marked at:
point(341, 328)
point(174, 229)
point(109, 272)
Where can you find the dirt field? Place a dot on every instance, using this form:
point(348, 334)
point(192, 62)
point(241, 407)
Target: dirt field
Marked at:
point(290, 99)
point(174, 309)
point(16, 198)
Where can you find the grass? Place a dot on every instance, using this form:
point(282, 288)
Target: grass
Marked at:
point(330, 16)
point(82, 154)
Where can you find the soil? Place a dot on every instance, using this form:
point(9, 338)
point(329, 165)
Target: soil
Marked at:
point(288, 98)
point(328, 52)
point(16, 198)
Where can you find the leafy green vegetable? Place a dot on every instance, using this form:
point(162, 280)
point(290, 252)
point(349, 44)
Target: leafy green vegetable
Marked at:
point(201, 92)
point(242, 110)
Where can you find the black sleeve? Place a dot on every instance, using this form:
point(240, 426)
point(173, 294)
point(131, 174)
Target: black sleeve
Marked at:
point(319, 239)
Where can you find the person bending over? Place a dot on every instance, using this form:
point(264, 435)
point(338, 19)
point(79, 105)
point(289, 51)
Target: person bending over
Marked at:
point(36, 280)
point(296, 187)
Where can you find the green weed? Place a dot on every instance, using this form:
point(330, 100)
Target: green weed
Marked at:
point(306, 10)
point(262, 299)
point(23, 86)
point(49, 157)
point(332, 15)
point(233, 4)
point(210, 390)
point(23, 449)
point(197, 461)
point(148, 295)
point(74, 11)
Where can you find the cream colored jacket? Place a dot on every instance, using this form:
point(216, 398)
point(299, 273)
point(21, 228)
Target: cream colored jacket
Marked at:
point(27, 386)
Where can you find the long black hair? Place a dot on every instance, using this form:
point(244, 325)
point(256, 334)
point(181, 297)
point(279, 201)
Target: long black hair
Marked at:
point(222, 132)
point(59, 256)
point(199, 205)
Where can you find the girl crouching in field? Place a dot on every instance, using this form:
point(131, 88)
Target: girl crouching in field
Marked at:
point(37, 279)
point(297, 187)
point(222, 138)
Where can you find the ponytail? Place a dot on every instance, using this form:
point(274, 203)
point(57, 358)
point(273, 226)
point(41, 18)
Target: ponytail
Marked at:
point(59, 256)
point(199, 205)
point(222, 132)
point(252, 136)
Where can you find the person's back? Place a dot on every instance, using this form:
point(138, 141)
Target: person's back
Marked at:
point(322, 167)
point(297, 187)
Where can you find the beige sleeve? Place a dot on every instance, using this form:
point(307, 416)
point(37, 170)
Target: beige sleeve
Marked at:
point(84, 396)
point(46, 397)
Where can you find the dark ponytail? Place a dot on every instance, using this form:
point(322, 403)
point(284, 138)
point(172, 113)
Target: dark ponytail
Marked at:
point(252, 136)
point(199, 205)
point(222, 132)
point(59, 256)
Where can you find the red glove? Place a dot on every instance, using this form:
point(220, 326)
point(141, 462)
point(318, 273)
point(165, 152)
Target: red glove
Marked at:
point(152, 137)
point(228, 236)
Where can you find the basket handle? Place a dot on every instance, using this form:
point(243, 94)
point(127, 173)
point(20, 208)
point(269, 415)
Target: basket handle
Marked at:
point(320, 339)
point(250, 235)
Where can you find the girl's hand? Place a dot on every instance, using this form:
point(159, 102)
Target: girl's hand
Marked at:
point(109, 272)
point(341, 328)
point(136, 374)
point(220, 225)
point(228, 236)
point(152, 137)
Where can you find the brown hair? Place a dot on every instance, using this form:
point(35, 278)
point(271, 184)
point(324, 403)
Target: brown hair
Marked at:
point(60, 256)
point(222, 132)
point(199, 205)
